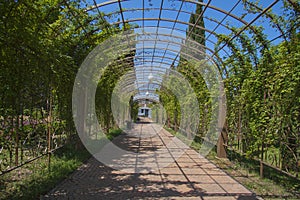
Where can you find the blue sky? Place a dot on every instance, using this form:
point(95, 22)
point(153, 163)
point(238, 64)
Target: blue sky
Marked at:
point(153, 12)
point(238, 11)
point(132, 10)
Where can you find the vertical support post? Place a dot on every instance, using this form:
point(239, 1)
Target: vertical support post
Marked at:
point(22, 128)
point(49, 121)
point(81, 112)
point(221, 151)
point(156, 113)
point(175, 119)
point(162, 117)
point(17, 141)
point(261, 169)
point(222, 124)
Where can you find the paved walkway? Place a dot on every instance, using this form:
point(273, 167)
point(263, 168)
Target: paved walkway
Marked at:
point(155, 167)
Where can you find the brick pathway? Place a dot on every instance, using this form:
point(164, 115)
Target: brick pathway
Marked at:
point(155, 167)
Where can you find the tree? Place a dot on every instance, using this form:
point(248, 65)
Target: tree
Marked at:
point(196, 19)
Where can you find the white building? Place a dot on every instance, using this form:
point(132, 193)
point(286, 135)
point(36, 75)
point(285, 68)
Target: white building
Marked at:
point(144, 112)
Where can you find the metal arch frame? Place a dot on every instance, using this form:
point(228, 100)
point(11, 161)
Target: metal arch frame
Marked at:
point(96, 6)
point(214, 57)
point(170, 20)
point(249, 25)
point(140, 88)
point(185, 23)
point(175, 21)
point(185, 38)
point(171, 50)
point(202, 52)
point(196, 2)
point(157, 71)
point(145, 99)
point(191, 1)
point(218, 58)
point(174, 28)
point(197, 50)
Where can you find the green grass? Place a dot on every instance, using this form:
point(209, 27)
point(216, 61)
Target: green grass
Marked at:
point(113, 133)
point(35, 179)
point(288, 185)
point(274, 185)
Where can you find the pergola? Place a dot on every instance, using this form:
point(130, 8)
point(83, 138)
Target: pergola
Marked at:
point(155, 39)
point(164, 33)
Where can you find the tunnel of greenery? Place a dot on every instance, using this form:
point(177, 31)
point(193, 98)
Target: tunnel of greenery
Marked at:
point(43, 44)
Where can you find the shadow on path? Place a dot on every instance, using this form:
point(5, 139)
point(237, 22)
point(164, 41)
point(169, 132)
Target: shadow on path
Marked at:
point(156, 172)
